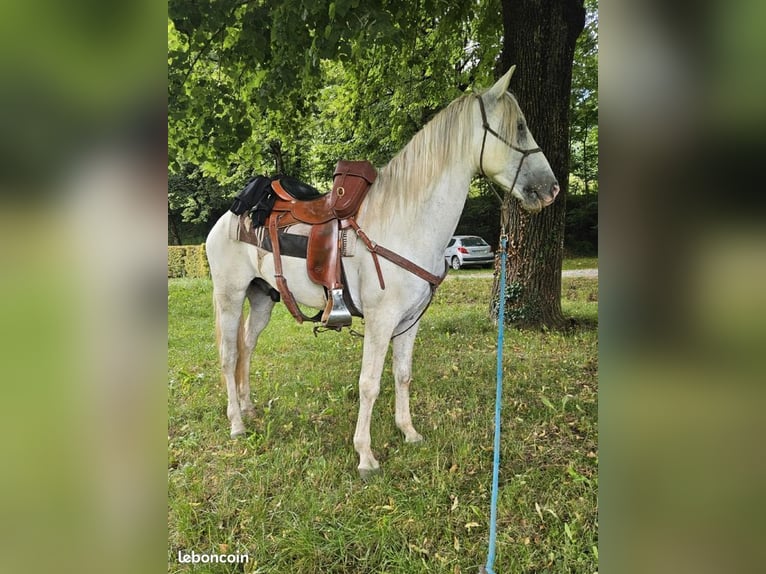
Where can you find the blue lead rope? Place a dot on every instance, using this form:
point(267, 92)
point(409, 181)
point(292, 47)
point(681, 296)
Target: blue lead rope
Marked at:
point(498, 403)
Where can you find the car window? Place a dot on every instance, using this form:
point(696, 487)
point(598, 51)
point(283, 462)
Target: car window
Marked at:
point(451, 242)
point(474, 242)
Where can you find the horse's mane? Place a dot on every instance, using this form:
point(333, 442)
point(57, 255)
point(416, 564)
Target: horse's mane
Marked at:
point(442, 142)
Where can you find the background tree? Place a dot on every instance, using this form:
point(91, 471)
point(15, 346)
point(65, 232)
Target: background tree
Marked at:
point(583, 129)
point(581, 231)
point(540, 37)
point(245, 74)
point(293, 86)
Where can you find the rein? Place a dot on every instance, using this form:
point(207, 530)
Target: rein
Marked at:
point(488, 568)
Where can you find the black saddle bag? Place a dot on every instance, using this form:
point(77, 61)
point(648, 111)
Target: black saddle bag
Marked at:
point(256, 197)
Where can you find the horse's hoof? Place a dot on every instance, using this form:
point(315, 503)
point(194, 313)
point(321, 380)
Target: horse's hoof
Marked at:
point(368, 473)
point(416, 440)
point(238, 432)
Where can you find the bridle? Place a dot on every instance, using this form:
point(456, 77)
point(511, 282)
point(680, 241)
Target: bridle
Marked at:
point(488, 129)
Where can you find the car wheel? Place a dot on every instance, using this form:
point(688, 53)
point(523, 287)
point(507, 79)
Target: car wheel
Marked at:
point(455, 263)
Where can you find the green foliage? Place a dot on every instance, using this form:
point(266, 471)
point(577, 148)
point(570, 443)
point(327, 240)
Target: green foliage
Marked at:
point(195, 197)
point(196, 201)
point(259, 87)
point(288, 493)
point(176, 264)
point(187, 261)
point(196, 262)
point(364, 76)
point(581, 231)
point(481, 216)
point(583, 131)
point(515, 312)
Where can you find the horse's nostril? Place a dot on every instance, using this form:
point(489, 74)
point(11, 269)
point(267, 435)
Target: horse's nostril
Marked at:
point(555, 189)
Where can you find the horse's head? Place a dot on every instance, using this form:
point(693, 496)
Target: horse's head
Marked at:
point(509, 154)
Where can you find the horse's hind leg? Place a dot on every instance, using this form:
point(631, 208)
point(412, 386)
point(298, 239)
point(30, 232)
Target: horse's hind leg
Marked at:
point(402, 363)
point(228, 307)
point(261, 306)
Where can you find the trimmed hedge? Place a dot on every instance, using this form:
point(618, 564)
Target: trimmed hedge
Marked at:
point(187, 261)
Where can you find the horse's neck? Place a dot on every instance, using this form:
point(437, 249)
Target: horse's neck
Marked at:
point(428, 221)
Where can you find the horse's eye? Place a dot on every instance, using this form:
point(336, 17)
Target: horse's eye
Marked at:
point(520, 126)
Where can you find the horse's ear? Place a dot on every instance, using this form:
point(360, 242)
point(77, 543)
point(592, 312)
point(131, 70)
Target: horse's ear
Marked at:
point(501, 86)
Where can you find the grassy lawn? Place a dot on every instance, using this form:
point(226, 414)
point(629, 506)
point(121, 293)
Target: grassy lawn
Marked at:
point(580, 263)
point(288, 494)
point(567, 264)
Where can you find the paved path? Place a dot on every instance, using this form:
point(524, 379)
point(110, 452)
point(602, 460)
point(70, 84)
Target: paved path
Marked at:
point(488, 274)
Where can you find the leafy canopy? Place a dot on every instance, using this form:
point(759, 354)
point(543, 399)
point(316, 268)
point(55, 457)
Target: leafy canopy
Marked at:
point(326, 80)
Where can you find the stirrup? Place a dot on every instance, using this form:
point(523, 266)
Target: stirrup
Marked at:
point(336, 314)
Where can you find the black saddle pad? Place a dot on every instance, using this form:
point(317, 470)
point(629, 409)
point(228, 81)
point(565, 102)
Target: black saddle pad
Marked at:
point(298, 189)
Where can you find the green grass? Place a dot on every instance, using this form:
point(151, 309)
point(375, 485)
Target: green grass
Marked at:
point(580, 263)
point(288, 493)
point(568, 264)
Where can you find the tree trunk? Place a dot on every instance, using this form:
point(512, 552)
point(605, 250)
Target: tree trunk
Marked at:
point(539, 37)
point(279, 160)
point(174, 228)
point(585, 174)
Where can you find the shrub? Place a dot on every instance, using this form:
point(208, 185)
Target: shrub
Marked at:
point(196, 262)
point(188, 261)
point(176, 263)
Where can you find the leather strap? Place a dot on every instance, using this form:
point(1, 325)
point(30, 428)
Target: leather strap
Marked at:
point(280, 191)
point(351, 222)
point(488, 129)
point(395, 258)
point(284, 290)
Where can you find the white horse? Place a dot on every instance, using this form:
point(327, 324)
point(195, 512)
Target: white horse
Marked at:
point(412, 209)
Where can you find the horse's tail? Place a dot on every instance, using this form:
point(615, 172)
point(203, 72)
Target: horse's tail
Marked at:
point(217, 327)
point(242, 356)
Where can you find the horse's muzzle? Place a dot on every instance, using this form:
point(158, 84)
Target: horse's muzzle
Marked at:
point(548, 198)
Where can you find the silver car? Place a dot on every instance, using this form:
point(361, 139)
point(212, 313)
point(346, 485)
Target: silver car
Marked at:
point(464, 250)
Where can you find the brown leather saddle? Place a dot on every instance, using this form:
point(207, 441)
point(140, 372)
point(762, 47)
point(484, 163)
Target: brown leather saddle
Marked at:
point(328, 215)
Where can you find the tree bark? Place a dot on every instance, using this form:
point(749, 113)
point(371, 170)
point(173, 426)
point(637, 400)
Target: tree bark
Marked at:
point(174, 228)
point(279, 162)
point(585, 174)
point(539, 37)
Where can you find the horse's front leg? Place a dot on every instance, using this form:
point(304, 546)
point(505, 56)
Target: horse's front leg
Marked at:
point(403, 345)
point(376, 338)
